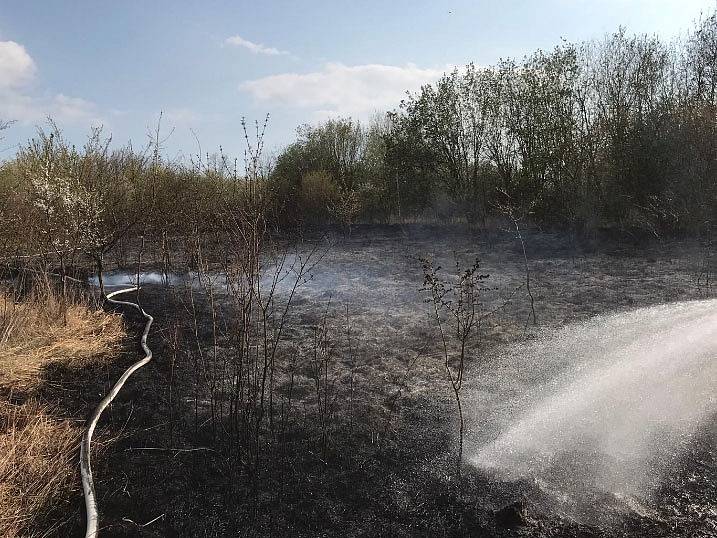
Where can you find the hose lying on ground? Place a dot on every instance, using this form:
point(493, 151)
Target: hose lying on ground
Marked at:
point(92, 529)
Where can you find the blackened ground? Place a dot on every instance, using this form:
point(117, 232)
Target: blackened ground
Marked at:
point(389, 466)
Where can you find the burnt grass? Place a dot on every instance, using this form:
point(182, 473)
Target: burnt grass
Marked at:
point(388, 465)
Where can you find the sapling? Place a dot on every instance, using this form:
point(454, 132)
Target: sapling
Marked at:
point(456, 306)
point(509, 211)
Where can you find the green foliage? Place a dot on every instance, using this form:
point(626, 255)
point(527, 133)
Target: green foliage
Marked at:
point(317, 197)
point(333, 172)
point(616, 133)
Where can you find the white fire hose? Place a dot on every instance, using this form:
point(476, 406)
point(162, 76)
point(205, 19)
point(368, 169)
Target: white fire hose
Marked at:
point(93, 517)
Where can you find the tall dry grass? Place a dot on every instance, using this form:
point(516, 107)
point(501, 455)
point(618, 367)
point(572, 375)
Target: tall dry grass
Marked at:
point(38, 446)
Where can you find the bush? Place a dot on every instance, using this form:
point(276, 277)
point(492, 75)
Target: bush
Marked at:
point(317, 198)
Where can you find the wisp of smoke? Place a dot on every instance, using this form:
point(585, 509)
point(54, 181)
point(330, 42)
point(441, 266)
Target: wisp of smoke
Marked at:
point(602, 405)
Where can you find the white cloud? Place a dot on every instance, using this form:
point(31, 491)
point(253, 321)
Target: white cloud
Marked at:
point(17, 68)
point(74, 109)
point(341, 90)
point(18, 101)
point(255, 48)
point(29, 109)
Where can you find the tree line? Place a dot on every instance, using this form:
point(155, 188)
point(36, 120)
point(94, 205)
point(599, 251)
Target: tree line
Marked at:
point(613, 133)
point(617, 133)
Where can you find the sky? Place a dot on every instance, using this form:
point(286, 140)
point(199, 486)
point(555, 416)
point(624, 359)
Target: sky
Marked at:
point(205, 65)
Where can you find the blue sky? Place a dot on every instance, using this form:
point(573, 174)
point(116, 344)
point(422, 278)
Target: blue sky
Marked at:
point(207, 64)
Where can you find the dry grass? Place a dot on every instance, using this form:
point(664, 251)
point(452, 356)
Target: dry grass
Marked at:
point(37, 464)
point(36, 332)
point(38, 448)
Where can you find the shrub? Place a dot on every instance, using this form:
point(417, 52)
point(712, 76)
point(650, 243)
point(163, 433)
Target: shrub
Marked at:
point(318, 196)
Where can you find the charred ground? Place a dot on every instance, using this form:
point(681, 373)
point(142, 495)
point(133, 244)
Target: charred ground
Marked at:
point(378, 458)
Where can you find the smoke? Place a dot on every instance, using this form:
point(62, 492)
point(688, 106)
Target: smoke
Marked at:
point(603, 405)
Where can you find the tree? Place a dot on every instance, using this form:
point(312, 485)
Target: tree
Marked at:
point(451, 119)
point(337, 148)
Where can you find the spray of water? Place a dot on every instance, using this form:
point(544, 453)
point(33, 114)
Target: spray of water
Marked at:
point(603, 405)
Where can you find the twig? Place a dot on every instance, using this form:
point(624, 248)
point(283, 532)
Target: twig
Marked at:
point(132, 449)
point(128, 520)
